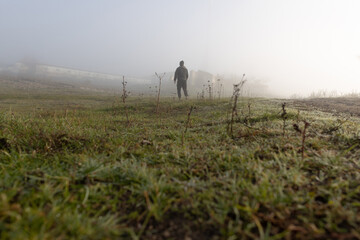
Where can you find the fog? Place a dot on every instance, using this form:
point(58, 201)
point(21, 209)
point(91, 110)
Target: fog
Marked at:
point(286, 47)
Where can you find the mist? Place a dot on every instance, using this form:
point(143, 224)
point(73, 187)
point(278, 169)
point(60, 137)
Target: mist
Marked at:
point(283, 47)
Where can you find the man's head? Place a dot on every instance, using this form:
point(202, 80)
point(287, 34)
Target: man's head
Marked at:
point(181, 63)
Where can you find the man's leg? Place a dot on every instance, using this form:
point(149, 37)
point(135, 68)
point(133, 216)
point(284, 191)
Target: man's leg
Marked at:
point(185, 89)
point(178, 89)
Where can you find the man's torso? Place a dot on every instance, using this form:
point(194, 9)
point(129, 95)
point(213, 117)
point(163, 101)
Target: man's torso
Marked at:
point(181, 73)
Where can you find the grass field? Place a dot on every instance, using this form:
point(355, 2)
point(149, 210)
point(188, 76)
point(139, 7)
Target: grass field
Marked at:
point(72, 167)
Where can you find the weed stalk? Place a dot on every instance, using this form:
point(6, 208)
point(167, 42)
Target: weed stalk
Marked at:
point(306, 125)
point(187, 123)
point(160, 77)
point(210, 88)
point(124, 95)
point(284, 117)
point(236, 93)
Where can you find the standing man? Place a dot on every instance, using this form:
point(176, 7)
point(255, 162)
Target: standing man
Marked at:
point(181, 75)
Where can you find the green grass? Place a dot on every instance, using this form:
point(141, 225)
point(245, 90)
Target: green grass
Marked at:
point(71, 167)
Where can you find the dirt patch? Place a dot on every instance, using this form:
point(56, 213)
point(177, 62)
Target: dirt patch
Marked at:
point(349, 106)
point(4, 144)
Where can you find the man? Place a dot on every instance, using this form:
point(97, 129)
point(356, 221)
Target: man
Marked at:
point(181, 75)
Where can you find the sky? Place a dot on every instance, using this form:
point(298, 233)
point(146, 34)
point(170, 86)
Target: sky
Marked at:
point(293, 46)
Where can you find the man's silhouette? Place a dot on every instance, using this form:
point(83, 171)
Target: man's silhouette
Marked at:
point(181, 75)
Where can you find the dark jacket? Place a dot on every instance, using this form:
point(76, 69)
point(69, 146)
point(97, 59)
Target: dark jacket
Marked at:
point(181, 74)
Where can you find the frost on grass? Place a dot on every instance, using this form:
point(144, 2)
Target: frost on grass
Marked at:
point(87, 174)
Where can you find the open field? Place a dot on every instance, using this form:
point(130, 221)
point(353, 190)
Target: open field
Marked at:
point(72, 167)
point(349, 106)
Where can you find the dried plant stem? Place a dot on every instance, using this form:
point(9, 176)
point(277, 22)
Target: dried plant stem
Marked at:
point(158, 95)
point(188, 118)
point(187, 123)
point(233, 113)
point(236, 93)
point(123, 97)
point(306, 125)
point(210, 89)
point(284, 117)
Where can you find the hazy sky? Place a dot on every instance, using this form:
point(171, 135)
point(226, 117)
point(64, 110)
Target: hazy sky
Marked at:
point(295, 46)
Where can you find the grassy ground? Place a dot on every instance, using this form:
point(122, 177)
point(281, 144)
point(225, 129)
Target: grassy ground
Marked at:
point(71, 167)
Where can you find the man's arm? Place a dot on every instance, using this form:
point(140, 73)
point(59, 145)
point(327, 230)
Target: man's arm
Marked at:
point(187, 74)
point(175, 76)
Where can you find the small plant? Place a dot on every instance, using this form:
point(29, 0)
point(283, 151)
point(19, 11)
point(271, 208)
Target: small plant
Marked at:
point(210, 89)
point(248, 117)
point(187, 124)
point(236, 93)
point(202, 96)
point(160, 77)
point(303, 135)
point(283, 117)
point(306, 125)
point(124, 96)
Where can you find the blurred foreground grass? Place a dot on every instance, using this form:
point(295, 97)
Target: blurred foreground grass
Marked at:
point(71, 167)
